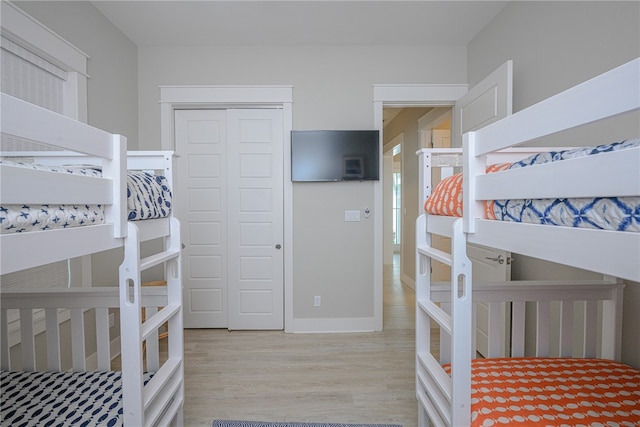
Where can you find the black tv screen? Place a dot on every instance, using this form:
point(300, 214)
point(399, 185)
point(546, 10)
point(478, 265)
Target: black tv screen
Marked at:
point(335, 155)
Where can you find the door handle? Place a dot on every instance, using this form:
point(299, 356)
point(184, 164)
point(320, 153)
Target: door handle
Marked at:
point(499, 259)
point(278, 246)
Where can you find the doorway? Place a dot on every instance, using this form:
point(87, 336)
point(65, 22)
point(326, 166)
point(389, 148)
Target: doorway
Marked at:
point(403, 136)
point(402, 96)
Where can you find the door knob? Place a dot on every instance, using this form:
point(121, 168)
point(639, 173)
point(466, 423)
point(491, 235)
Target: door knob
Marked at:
point(499, 259)
point(278, 246)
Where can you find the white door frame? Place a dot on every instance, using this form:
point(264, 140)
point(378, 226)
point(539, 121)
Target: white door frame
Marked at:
point(223, 96)
point(400, 96)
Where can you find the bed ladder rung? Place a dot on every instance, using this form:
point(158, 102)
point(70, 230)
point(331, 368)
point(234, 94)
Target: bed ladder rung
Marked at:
point(160, 379)
point(156, 259)
point(437, 374)
point(168, 414)
point(158, 319)
point(436, 254)
point(437, 385)
point(436, 313)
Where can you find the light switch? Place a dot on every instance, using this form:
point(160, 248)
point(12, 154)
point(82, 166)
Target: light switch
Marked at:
point(351, 216)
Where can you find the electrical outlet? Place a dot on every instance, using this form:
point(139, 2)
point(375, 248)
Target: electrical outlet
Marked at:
point(112, 320)
point(316, 301)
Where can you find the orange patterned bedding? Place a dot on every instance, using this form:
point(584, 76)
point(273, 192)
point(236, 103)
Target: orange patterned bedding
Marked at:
point(446, 198)
point(554, 392)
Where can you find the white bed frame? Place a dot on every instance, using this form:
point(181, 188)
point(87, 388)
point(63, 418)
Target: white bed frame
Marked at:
point(160, 401)
point(444, 399)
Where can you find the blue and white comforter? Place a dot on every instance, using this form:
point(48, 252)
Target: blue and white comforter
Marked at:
point(610, 213)
point(148, 197)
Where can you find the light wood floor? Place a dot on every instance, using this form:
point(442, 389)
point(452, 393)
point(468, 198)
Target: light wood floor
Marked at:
point(273, 376)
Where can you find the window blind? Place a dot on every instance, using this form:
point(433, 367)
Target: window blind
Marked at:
point(27, 76)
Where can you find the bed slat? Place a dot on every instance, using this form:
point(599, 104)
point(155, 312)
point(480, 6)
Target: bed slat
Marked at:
point(496, 320)
point(590, 340)
point(27, 347)
point(4, 340)
point(518, 310)
point(566, 328)
point(542, 328)
point(103, 341)
point(53, 339)
point(78, 342)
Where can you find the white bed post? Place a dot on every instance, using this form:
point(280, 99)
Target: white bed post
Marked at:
point(423, 289)
point(612, 320)
point(130, 330)
point(116, 169)
point(473, 167)
point(461, 328)
point(173, 274)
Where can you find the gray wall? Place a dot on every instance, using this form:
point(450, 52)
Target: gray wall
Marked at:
point(555, 45)
point(112, 66)
point(332, 89)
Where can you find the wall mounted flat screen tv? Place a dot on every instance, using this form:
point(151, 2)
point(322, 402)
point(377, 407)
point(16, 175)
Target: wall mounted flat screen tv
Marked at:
point(335, 155)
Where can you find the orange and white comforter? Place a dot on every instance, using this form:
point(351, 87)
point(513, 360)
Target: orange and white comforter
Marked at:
point(554, 392)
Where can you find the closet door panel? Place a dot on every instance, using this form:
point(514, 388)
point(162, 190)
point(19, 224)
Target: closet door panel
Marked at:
point(201, 143)
point(256, 255)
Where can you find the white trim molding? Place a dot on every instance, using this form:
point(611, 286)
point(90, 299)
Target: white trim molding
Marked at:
point(405, 95)
point(31, 34)
point(400, 95)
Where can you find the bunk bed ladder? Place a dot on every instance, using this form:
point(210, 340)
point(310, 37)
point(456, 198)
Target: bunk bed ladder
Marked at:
point(160, 400)
point(444, 399)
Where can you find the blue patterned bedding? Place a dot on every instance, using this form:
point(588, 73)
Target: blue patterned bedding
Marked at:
point(61, 398)
point(148, 197)
point(609, 213)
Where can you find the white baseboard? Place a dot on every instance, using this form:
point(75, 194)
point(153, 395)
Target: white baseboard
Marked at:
point(343, 325)
point(408, 281)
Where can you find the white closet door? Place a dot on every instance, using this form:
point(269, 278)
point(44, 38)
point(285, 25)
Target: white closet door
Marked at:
point(201, 143)
point(256, 203)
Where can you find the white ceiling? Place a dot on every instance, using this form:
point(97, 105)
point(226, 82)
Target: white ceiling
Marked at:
point(299, 23)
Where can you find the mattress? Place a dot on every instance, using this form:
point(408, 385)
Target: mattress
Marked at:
point(554, 392)
point(148, 197)
point(605, 213)
point(48, 399)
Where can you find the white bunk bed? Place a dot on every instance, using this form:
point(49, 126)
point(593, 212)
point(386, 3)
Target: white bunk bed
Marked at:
point(450, 383)
point(149, 389)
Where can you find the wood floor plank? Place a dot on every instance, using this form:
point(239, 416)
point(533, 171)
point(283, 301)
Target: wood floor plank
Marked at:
point(273, 376)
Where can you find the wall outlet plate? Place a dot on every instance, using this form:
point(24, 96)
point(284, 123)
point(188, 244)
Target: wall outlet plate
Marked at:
point(352, 216)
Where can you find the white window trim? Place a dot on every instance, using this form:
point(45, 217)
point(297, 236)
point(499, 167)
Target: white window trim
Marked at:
point(32, 35)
